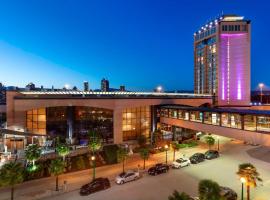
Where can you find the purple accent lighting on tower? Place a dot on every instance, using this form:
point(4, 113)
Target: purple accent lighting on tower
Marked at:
point(233, 51)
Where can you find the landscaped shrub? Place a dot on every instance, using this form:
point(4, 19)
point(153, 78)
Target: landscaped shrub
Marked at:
point(110, 153)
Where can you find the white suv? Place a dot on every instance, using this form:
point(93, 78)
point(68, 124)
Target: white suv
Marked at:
point(124, 177)
point(181, 162)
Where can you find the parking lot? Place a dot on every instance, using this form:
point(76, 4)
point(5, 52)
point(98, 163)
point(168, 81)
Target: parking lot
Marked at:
point(222, 170)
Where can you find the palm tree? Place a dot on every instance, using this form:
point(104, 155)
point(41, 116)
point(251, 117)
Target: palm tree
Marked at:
point(210, 141)
point(10, 175)
point(250, 174)
point(177, 196)
point(32, 153)
point(62, 150)
point(56, 168)
point(175, 147)
point(94, 145)
point(144, 153)
point(122, 154)
point(209, 190)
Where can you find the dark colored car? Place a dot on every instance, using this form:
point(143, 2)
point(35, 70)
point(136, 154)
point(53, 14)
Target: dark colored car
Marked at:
point(158, 169)
point(197, 158)
point(228, 193)
point(95, 186)
point(211, 154)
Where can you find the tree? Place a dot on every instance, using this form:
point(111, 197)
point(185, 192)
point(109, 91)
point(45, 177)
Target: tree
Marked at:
point(11, 174)
point(57, 168)
point(32, 154)
point(250, 174)
point(210, 140)
point(62, 150)
point(179, 196)
point(144, 153)
point(141, 140)
point(175, 147)
point(94, 145)
point(122, 154)
point(209, 190)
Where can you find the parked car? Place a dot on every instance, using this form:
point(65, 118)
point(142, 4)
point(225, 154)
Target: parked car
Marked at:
point(94, 186)
point(211, 154)
point(197, 158)
point(181, 162)
point(158, 169)
point(228, 193)
point(124, 177)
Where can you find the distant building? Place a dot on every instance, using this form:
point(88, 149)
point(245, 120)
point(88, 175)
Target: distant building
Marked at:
point(2, 94)
point(105, 85)
point(30, 86)
point(122, 88)
point(222, 60)
point(85, 86)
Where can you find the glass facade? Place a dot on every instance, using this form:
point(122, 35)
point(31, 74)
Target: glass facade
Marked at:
point(58, 121)
point(3, 119)
point(136, 121)
point(36, 121)
point(259, 123)
point(206, 66)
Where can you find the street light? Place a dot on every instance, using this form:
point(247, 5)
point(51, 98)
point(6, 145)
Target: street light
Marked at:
point(261, 85)
point(93, 158)
point(217, 143)
point(166, 149)
point(159, 89)
point(243, 181)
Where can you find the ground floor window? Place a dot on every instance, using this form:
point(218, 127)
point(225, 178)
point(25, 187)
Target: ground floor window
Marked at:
point(136, 121)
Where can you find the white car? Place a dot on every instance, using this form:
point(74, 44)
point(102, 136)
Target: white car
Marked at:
point(127, 176)
point(181, 162)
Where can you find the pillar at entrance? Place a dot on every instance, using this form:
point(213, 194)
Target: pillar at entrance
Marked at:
point(117, 126)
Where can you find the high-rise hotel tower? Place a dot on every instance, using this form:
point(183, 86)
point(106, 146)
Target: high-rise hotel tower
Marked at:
point(222, 60)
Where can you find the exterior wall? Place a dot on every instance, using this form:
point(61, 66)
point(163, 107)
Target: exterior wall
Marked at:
point(17, 107)
point(234, 68)
point(247, 136)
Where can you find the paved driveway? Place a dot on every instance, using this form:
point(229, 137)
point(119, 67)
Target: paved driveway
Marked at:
point(186, 179)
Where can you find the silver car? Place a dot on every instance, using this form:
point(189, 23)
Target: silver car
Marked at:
point(127, 176)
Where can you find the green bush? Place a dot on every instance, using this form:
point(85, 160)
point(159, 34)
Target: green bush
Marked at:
point(110, 153)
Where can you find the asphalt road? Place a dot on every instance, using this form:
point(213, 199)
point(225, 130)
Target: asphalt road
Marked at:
point(223, 170)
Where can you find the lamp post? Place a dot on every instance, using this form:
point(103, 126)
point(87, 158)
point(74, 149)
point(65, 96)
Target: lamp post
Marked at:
point(261, 85)
point(166, 149)
point(243, 180)
point(93, 158)
point(218, 143)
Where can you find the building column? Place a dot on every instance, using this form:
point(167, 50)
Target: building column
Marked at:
point(153, 121)
point(117, 126)
point(70, 122)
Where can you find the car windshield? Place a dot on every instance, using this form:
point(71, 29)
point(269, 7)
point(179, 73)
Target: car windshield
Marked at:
point(123, 174)
point(180, 160)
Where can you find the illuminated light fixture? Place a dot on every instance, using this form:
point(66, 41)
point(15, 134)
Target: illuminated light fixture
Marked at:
point(211, 23)
point(159, 89)
point(233, 18)
point(206, 25)
point(199, 31)
point(239, 92)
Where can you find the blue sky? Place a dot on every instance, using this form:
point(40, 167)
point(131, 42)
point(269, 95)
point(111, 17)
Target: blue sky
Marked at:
point(138, 43)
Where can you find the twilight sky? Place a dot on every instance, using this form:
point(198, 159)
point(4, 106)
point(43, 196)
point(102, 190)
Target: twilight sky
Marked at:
point(138, 43)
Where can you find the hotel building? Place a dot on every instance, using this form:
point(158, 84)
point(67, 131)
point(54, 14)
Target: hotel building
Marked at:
point(222, 79)
point(222, 60)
